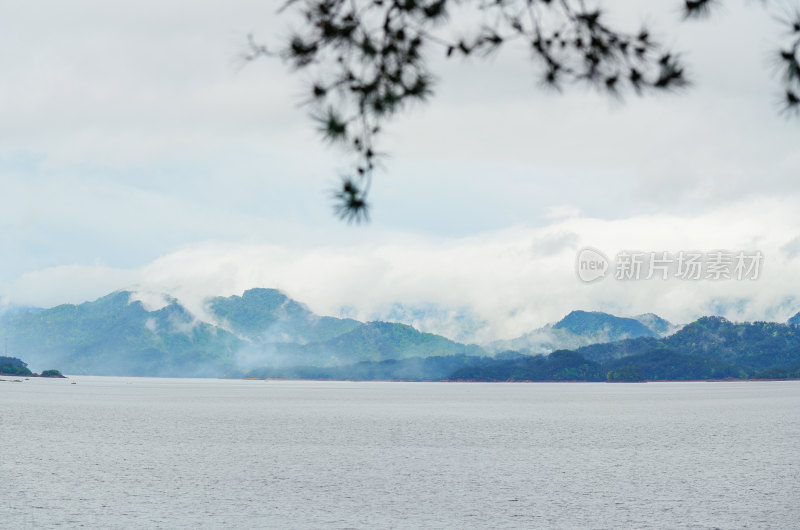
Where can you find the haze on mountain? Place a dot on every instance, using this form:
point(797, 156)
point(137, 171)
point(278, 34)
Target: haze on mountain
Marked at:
point(264, 333)
point(119, 335)
point(581, 328)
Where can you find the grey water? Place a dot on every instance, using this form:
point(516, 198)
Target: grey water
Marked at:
point(199, 453)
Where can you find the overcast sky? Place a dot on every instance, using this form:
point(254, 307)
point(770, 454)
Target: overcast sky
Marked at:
point(137, 152)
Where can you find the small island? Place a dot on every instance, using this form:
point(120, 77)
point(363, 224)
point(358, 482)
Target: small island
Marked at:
point(17, 367)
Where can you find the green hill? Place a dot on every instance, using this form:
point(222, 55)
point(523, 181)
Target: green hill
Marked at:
point(269, 316)
point(657, 324)
point(753, 346)
point(565, 365)
point(582, 328)
point(117, 335)
point(667, 365)
point(13, 366)
point(17, 367)
point(263, 331)
point(562, 365)
point(380, 341)
point(373, 341)
point(411, 369)
point(602, 325)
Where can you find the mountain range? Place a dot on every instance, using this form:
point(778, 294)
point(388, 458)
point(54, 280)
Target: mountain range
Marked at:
point(582, 328)
point(753, 346)
point(117, 334)
point(264, 333)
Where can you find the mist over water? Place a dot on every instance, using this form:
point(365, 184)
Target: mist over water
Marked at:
point(177, 453)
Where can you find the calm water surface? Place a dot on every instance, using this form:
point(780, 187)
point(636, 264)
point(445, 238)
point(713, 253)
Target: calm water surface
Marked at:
point(176, 453)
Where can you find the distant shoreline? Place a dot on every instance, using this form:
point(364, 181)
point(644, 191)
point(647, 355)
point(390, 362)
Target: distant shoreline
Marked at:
point(28, 376)
point(726, 380)
point(17, 377)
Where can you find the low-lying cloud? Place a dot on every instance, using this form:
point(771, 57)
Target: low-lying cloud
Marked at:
point(502, 283)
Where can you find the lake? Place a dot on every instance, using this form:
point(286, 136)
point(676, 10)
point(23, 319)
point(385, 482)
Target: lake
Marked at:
point(186, 453)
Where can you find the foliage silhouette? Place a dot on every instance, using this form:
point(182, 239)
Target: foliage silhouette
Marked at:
point(753, 346)
point(368, 61)
point(13, 366)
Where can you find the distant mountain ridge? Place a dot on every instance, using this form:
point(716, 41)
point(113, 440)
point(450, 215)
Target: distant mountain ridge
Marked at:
point(264, 333)
point(118, 335)
point(708, 348)
point(459, 324)
point(582, 328)
point(595, 322)
point(751, 345)
point(658, 325)
point(269, 316)
point(566, 365)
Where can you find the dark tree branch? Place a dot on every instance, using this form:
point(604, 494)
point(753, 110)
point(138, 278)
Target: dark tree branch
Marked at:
point(368, 59)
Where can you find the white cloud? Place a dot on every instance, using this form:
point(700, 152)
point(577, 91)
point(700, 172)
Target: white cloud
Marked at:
point(66, 284)
point(499, 276)
point(128, 133)
point(151, 301)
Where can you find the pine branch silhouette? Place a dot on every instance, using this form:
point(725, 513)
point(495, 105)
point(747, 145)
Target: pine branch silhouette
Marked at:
point(368, 59)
